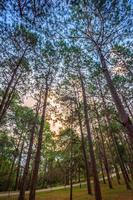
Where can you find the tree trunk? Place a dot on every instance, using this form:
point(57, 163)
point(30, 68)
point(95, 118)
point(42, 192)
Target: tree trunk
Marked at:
point(129, 154)
point(18, 167)
point(103, 148)
point(71, 187)
point(123, 169)
point(26, 168)
point(102, 169)
point(38, 152)
point(13, 163)
point(10, 84)
point(124, 173)
point(6, 92)
point(71, 173)
point(44, 175)
point(124, 118)
point(9, 99)
point(127, 106)
point(10, 175)
point(85, 156)
point(99, 153)
point(97, 188)
point(114, 163)
point(79, 178)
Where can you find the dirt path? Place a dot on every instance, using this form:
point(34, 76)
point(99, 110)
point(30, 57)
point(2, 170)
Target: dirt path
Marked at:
point(12, 193)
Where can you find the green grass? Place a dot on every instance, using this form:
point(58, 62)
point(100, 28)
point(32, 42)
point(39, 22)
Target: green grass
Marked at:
point(118, 193)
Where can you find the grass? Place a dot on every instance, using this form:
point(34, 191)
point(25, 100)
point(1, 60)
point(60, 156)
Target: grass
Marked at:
point(118, 193)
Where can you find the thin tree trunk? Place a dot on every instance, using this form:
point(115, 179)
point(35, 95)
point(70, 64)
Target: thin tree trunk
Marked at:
point(6, 92)
point(123, 169)
point(79, 178)
point(10, 174)
point(18, 167)
point(114, 163)
point(9, 99)
point(85, 156)
point(129, 155)
point(38, 152)
point(126, 104)
point(71, 174)
point(8, 88)
point(127, 68)
point(97, 188)
point(103, 148)
point(120, 161)
point(71, 188)
point(26, 168)
point(99, 153)
point(45, 171)
point(10, 83)
point(13, 163)
point(125, 175)
point(102, 169)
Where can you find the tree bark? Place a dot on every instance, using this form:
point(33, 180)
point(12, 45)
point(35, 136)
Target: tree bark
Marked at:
point(124, 118)
point(110, 134)
point(7, 91)
point(123, 169)
point(10, 83)
point(71, 171)
point(79, 176)
point(71, 185)
point(127, 106)
point(13, 163)
point(97, 188)
point(103, 148)
point(102, 169)
point(38, 152)
point(26, 168)
point(9, 99)
point(18, 167)
point(10, 174)
point(85, 156)
point(114, 163)
point(129, 155)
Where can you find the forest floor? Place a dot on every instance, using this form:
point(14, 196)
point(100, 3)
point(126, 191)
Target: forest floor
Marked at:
point(119, 192)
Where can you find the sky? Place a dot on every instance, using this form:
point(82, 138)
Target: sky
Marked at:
point(55, 124)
